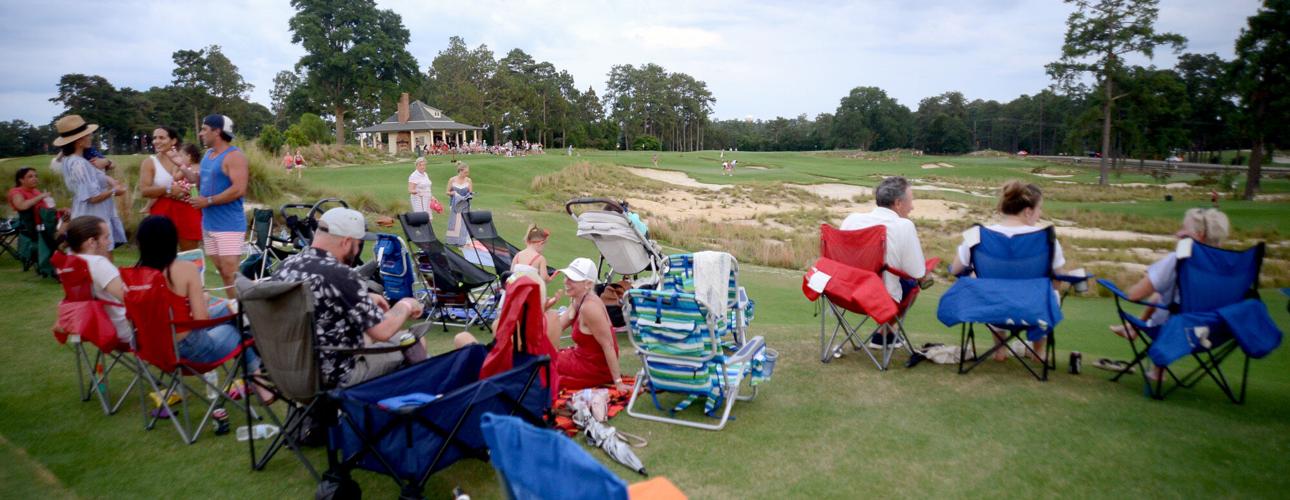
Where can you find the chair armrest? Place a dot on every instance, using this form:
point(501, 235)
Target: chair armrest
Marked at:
point(1072, 279)
point(203, 323)
point(1123, 296)
point(364, 350)
point(419, 330)
point(930, 265)
point(747, 351)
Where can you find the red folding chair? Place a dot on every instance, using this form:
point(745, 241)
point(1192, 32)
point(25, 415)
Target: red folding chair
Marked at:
point(82, 318)
point(848, 275)
point(148, 306)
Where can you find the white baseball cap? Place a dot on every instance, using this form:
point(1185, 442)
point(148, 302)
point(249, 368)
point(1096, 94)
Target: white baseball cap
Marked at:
point(581, 269)
point(346, 223)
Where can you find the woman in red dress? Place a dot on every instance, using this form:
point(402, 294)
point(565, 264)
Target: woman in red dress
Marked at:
point(162, 178)
point(593, 359)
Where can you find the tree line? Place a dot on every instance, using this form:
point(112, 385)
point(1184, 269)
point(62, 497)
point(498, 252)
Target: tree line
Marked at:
point(356, 63)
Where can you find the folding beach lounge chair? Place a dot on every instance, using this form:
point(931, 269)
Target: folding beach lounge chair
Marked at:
point(679, 277)
point(678, 337)
point(1217, 312)
point(455, 285)
point(622, 244)
point(421, 419)
point(1008, 288)
point(82, 320)
point(847, 278)
point(479, 225)
point(148, 308)
point(280, 319)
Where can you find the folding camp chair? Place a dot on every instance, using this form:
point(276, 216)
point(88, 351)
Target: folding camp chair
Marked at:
point(678, 339)
point(147, 306)
point(37, 243)
point(9, 238)
point(280, 319)
point(513, 444)
point(81, 320)
point(1008, 287)
point(479, 225)
point(416, 421)
point(1217, 311)
point(848, 277)
point(453, 283)
point(268, 248)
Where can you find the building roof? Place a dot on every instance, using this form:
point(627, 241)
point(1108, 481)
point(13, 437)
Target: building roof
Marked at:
point(420, 117)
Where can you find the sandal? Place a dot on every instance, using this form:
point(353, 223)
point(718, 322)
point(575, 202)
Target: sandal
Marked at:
point(263, 389)
point(1113, 365)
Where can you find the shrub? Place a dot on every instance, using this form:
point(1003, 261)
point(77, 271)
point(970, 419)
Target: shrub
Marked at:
point(271, 139)
point(647, 143)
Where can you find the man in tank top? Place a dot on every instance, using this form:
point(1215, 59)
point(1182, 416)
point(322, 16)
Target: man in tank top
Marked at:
point(223, 184)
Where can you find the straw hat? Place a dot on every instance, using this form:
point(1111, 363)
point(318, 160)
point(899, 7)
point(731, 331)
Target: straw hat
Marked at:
point(72, 127)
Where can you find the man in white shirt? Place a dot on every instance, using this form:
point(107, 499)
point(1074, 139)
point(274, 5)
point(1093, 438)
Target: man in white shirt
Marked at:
point(895, 199)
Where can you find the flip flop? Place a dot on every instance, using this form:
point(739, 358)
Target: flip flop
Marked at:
point(1113, 365)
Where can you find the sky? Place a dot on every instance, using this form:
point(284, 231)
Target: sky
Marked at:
point(760, 59)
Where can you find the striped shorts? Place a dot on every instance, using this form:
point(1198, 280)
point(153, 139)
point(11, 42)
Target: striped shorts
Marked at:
point(222, 242)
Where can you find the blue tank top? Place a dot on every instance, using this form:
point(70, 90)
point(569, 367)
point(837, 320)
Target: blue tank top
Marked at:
point(226, 217)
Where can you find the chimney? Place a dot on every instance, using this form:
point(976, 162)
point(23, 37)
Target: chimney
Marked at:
point(404, 113)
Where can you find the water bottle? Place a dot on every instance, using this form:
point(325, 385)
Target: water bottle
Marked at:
point(212, 381)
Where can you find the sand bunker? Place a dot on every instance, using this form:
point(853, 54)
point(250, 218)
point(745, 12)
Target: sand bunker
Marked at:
point(1053, 176)
point(1171, 185)
point(673, 177)
point(928, 166)
point(754, 167)
point(925, 187)
point(846, 192)
point(1103, 234)
point(1133, 267)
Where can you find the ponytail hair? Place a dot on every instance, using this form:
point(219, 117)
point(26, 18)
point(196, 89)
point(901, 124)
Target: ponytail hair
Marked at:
point(536, 234)
point(1018, 196)
point(80, 230)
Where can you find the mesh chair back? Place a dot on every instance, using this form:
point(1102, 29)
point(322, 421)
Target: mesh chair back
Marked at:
point(479, 223)
point(261, 227)
point(1022, 256)
point(1211, 278)
point(512, 444)
point(281, 318)
point(147, 304)
point(863, 248)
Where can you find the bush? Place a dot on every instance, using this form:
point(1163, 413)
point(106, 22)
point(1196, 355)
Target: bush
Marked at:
point(296, 137)
point(647, 143)
point(271, 139)
point(315, 129)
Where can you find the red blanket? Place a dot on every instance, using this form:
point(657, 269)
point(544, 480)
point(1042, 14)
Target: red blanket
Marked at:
point(564, 415)
point(856, 290)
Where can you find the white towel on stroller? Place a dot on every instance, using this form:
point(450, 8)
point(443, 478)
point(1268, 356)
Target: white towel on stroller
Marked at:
point(712, 281)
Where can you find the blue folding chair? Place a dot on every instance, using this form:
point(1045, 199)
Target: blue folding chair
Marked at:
point(564, 469)
point(1217, 310)
point(1007, 286)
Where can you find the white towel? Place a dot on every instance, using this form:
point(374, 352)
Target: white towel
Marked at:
point(712, 281)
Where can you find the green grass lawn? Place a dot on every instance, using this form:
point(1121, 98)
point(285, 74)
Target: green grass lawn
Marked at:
point(840, 430)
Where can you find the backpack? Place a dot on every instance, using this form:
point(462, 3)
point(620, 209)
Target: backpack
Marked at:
point(396, 267)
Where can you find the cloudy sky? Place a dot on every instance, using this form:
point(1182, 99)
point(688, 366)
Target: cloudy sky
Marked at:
point(760, 60)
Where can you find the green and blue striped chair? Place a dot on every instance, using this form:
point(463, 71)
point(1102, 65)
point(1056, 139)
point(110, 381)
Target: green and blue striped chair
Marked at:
point(685, 350)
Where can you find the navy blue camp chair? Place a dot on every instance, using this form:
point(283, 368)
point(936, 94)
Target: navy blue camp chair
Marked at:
point(1217, 311)
point(1007, 286)
point(416, 421)
point(536, 464)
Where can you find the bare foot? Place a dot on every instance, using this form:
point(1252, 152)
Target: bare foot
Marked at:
point(1127, 333)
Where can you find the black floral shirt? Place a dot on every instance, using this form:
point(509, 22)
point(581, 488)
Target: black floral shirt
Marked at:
point(342, 308)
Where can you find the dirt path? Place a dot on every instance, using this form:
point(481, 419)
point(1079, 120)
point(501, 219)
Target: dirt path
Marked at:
point(673, 177)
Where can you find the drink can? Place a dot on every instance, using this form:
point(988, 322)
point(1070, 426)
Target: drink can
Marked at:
point(193, 192)
point(1076, 360)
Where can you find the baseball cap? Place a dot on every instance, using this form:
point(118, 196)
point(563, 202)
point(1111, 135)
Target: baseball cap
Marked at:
point(581, 269)
point(346, 223)
point(220, 122)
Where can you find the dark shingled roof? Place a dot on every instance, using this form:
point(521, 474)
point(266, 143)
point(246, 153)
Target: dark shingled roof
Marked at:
point(421, 117)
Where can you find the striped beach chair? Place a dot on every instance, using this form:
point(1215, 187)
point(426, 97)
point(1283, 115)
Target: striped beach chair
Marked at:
point(688, 350)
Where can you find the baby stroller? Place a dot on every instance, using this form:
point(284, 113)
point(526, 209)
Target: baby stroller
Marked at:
point(301, 220)
point(620, 237)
